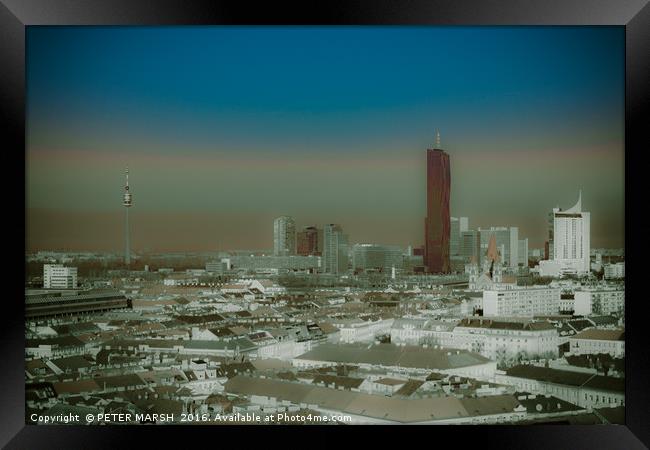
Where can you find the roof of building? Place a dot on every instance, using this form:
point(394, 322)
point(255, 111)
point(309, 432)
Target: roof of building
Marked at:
point(338, 381)
point(243, 343)
point(603, 320)
point(489, 405)
point(596, 360)
point(396, 409)
point(222, 331)
point(580, 324)
point(239, 286)
point(612, 415)
point(119, 381)
point(271, 364)
point(409, 388)
point(391, 381)
point(200, 318)
point(567, 377)
point(73, 362)
point(60, 341)
point(233, 368)
point(75, 387)
point(393, 355)
point(472, 322)
point(73, 328)
point(601, 335)
point(543, 404)
point(424, 324)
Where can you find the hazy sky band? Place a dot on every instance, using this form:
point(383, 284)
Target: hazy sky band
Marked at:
point(326, 124)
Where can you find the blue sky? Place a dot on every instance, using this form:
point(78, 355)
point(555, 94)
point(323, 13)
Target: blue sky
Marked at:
point(242, 97)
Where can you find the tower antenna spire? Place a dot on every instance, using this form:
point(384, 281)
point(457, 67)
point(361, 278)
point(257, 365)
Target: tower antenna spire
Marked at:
point(127, 201)
point(437, 139)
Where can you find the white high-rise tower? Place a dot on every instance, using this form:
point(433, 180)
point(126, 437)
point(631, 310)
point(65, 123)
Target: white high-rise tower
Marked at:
point(571, 238)
point(127, 204)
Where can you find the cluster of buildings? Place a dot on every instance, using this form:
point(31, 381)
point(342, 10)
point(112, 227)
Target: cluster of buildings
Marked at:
point(463, 330)
point(415, 352)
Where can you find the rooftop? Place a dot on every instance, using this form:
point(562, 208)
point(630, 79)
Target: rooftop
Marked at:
point(393, 355)
point(375, 406)
point(566, 377)
point(601, 335)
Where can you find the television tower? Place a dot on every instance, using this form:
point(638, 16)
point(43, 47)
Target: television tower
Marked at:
point(127, 204)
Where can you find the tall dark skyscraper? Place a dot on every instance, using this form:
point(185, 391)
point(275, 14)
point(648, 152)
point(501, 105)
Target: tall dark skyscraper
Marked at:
point(310, 241)
point(437, 224)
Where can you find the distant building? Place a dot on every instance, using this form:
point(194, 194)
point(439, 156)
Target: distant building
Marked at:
point(458, 225)
point(616, 270)
point(571, 239)
point(521, 301)
point(263, 286)
point(550, 268)
point(586, 390)
point(216, 267)
point(56, 276)
point(507, 240)
point(470, 246)
point(310, 242)
point(522, 252)
point(376, 257)
point(358, 330)
point(491, 275)
point(594, 341)
point(548, 244)
point(181, 279)
point(438, 219)
point(363, 408)
point(547, 249)
point(421, 331)
point(44, 304)
point(499, 338)
point(599, 301)
point(335, 249)
point(413, 359)
point(292, 262)
point(284, 236)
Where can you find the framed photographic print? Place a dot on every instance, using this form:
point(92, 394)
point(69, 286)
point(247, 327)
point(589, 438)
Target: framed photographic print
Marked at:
point(356, 215)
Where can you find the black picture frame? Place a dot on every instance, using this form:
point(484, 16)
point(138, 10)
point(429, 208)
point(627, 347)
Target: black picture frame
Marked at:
point(634, 15)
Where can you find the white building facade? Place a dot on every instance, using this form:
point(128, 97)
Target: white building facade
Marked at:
point(521, 301)
point(597, 341)
point(56, 276)
point(599, 301)
point(614, 270)
point(571, 239)
point(362, 330)
point(496, 340)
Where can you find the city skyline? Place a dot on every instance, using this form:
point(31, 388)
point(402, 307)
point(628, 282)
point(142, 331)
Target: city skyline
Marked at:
point(325, 225)
point(525, 133)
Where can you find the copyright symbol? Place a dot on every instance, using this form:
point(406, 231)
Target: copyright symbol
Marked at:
point(89, 417)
